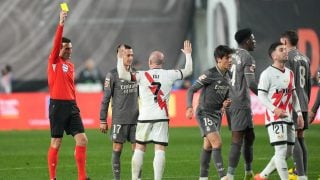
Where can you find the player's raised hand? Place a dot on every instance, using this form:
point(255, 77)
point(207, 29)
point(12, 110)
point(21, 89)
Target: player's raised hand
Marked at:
point(104, 127)
point(121, 52)
point(189, 113)
point(63, 16)
point(187, 48)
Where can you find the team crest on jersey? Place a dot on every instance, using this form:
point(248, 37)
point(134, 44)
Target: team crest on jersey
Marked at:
point(65, 68)
point(202, 77)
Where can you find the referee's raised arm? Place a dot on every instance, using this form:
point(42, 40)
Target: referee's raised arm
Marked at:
point(57, 40)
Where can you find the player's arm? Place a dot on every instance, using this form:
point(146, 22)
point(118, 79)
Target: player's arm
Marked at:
point(193, 89)
point(123, 73)
point(297, 108)
point(314, 108)
point(187, 50)
point(250, 78)
point(57, 39)
point(108, 87)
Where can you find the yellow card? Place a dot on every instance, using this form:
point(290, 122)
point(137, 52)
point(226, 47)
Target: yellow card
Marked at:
point(64, 7)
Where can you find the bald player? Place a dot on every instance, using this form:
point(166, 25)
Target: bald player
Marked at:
point(153, 121)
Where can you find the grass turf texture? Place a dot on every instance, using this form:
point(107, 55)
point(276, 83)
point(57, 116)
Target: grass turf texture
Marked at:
point(23, 155)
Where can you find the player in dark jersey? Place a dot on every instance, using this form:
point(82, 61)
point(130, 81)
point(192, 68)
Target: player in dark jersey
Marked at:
point(124, 95)
point(300, 65)
point(64, 113)
point(239, 114)
point(214, 95)
point(314, 108)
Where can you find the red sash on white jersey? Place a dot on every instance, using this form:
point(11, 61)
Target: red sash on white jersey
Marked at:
point(155, 89)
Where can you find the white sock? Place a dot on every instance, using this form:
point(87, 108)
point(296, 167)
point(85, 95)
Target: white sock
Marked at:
point(280, 161)
point(158, 164)
point(230, 176)
point(203, 178)
point(268, 169)
point(136, 163)
point(302, 178)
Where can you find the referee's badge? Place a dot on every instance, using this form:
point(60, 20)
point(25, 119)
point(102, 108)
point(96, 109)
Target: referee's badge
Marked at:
point(65, 68)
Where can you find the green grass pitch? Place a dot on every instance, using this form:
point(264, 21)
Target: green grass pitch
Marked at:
point(23, 155)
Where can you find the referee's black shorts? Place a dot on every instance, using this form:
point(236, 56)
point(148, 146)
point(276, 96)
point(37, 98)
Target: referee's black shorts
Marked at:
point(64, 115)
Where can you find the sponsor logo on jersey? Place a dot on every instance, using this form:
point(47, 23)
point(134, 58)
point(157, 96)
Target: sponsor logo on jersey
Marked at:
point(65, 68)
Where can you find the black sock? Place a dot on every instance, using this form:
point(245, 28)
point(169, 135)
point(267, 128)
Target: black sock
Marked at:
point(204, 162)
point(234, 156)
point(218, 161)
point(298, 158)
point(305, 154)
point(116, 164)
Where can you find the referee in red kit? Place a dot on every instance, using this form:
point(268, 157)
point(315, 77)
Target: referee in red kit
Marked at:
point(64, 113)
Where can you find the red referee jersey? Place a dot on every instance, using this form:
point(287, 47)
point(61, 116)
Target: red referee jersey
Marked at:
point(60, 72)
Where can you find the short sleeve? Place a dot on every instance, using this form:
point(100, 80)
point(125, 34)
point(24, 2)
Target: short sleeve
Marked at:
point(175, 75)
point(204, 79)
point(264, 82)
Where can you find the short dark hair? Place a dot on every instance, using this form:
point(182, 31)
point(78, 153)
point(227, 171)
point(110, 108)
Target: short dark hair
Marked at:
point(242, 35)
point(273, 47)
point(65, 40)
point(292, 37)
point(124, 45)
point(222, 51)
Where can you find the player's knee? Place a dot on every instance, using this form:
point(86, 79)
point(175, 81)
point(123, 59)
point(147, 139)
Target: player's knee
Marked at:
point(217, 144)
point(249, 140)
point(56, 143)
point(117, 147)
point(81, 139)
point(237, 141)
point(237, 138)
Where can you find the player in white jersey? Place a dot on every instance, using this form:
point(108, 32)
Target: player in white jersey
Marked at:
point(276, 90)
point(153, 121)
